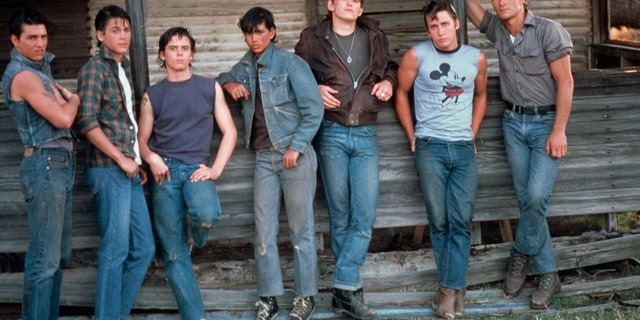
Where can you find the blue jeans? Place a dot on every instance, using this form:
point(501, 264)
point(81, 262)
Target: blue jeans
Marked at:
point(169, 201)
point(47, 182)
point(127, 244)
point(348, 159)
point(534, 173)
point(272, 183)
point(449, 180)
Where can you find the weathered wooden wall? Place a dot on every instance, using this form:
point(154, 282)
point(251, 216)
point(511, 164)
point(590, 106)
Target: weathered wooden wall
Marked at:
point(68, 36)
point(605, 176)
point(601, 173)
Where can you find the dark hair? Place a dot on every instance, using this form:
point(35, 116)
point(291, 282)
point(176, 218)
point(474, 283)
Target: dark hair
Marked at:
point(25, 16)
point(430, 11)
point(255, 17)
point(170, 33)
point(361, 3)
point(107, 13)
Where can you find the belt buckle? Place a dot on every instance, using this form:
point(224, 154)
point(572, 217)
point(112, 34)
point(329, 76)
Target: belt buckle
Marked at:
point(517, 108)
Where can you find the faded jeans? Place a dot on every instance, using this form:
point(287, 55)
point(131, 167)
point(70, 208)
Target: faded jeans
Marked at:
point(47, 182)
point(127, 244)
point(348, 158)
point(449, 180)
point(297, 186)
point(534, 173)
point(203, 207)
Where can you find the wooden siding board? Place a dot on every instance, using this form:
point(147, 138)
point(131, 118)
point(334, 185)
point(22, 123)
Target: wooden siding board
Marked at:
point(591, 180)
point(67, 33)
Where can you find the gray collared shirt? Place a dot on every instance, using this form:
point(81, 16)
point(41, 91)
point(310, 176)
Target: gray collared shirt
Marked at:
point(525, 76)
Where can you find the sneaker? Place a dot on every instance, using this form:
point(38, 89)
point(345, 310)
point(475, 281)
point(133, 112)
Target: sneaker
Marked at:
point(303, 308)
point(516, 273)
point(267, 308)
point(549, 285)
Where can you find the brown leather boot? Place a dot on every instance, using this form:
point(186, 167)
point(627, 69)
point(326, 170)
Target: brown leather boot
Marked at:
point(516, 274)
point(459, 305)
point(549, 285)
point(444, 303)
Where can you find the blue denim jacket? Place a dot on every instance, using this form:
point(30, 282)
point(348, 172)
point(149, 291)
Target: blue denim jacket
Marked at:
point(34, 129)
point(293, 107)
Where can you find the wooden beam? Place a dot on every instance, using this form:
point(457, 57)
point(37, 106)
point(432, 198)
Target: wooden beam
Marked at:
point(230, 285)
point(138, 49)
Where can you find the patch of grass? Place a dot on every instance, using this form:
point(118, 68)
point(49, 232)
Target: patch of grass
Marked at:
point(628, 221)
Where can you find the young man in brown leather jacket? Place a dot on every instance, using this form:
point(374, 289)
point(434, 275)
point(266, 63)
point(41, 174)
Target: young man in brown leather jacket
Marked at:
point(349, 56)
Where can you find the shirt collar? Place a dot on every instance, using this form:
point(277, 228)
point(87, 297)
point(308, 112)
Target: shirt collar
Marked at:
point(42, 65)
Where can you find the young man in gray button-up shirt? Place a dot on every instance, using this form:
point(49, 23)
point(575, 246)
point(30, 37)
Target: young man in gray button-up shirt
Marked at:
point(536, 82)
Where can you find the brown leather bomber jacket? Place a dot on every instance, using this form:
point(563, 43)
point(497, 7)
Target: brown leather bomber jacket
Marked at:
point(358, 107)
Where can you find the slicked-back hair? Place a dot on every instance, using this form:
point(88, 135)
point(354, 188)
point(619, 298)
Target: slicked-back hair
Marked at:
point(25, 16)
point(107, 13)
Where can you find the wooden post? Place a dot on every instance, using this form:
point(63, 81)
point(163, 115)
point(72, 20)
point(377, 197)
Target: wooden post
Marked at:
point(505, 230)
point(138, 49)
point(462, 16)
point(611, 222)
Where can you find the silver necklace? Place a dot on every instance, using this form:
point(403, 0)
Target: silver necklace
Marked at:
point(351, 48)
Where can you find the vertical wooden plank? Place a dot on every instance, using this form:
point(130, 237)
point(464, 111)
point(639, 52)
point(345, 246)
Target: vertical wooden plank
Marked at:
point(138, 49)
point(313, 15)
point(462, 16)
point(476, 233)
point(418, 233)
point(611, 222)
point(505, 230)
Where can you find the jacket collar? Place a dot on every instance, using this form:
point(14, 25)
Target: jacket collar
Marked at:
point(324, 27)
point(42, 65)
point(265, 59)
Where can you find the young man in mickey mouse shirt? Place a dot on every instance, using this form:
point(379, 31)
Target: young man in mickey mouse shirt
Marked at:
point(443, 142)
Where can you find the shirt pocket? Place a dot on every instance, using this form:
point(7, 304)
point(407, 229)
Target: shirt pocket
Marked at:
point(280, 90)
point(111, 105)
point(533, 61)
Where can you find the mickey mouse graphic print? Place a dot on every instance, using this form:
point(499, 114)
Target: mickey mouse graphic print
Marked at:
point(443, 91)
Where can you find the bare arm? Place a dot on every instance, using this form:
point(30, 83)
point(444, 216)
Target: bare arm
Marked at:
point(159, 170)
point(479, 95)
point(224, 120)
point(475, 11)
point(59, 106)
point(561, 71)
point(407, 73)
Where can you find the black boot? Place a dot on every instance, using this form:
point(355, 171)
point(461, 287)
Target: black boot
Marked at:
point(351, 303)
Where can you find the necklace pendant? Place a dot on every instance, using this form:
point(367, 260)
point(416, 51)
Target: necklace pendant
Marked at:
point(349, 59)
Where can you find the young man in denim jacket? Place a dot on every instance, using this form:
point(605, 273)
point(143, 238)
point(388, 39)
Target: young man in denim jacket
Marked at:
point(43, 112)
point(282, 112)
